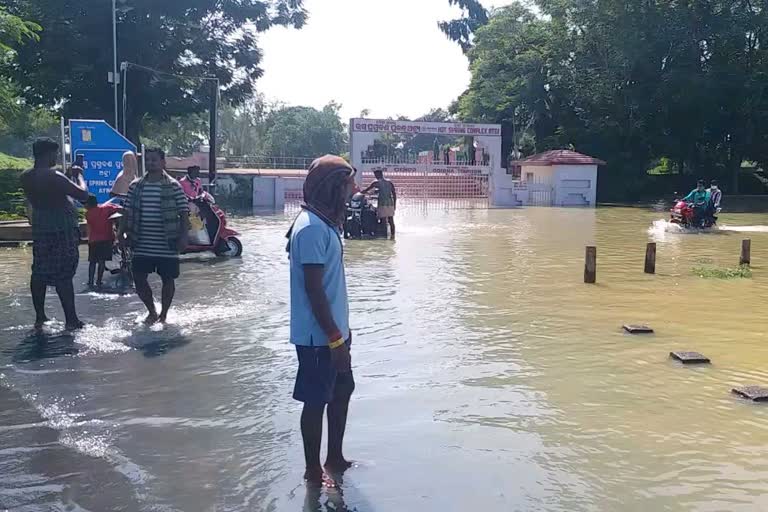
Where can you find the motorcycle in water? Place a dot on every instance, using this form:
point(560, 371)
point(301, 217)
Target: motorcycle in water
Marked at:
point(361, 220)
point(683, 214)
point(223, 241)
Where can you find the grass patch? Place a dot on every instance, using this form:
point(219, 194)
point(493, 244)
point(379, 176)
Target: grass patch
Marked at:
point(740, 272)
point(13, 163)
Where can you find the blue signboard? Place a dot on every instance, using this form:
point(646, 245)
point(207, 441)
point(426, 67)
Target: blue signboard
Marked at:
point(101, 148)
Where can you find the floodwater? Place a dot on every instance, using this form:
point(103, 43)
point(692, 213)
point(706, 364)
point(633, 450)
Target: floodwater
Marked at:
point(489, 376)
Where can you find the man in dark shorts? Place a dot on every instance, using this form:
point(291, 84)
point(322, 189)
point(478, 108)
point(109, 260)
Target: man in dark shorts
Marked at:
point(101, 237)
point(320, 315)
point(55, 230)
point(156, 225)
point(387, 202)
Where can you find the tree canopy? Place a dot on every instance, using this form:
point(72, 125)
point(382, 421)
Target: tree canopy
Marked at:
point(630, 81)
point(257, 129)
point(304, 131)
point(68, 66)
point(18, 120)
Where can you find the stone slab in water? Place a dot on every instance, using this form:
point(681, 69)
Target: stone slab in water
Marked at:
point(690, 357)
point(638, 329)
point(754, 393)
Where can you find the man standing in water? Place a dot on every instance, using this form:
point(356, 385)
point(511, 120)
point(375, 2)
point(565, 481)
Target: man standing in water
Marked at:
point(156, 225)
point(55, 230)
point(387, 201)
point(320, 315)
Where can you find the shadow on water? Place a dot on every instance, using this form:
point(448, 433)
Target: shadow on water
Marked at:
point(154, 343)
point(37, 346)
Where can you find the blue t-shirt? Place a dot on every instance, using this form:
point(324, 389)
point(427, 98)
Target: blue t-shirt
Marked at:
point(313, 242)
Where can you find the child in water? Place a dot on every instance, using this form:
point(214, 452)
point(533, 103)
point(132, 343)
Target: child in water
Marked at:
point(101, 237)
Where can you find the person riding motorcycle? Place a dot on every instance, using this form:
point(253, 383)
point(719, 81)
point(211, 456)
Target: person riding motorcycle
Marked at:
point(715, 198)
point(193, 188)
point(699, 199)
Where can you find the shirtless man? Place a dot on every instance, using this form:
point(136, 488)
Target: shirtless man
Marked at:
point(55, 230)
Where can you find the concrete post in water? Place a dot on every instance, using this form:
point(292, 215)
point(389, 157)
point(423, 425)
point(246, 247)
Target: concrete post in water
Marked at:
point(590, 265)
point(650, 258)
point(746, 248)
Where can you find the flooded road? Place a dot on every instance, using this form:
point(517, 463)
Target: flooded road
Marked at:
point(489, 377)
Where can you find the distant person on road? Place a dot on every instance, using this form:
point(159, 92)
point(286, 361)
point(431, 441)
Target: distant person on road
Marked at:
point(55, 231)
point(191, 183)
point(387, 201)
point(129, 173)
point(320, 315)
point(101, 237)
point(156, 225)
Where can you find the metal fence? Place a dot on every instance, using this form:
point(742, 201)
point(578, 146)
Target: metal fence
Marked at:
point(430, 184)
point(267, 162)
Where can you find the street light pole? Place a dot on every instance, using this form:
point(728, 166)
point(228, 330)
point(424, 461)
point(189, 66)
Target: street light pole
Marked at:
point(115, 75)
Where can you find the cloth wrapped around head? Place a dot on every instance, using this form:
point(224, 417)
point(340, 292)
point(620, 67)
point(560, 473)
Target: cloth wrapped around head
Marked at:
point(325, 188)
point(129, 173)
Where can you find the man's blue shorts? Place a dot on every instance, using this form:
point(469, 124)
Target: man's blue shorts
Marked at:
point(317, 381)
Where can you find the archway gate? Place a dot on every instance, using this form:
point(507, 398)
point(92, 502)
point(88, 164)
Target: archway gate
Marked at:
point(433, 175)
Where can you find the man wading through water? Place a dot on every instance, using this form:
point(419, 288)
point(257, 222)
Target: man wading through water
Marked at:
point(156, 225)
point(320, 314)
point(55, 230)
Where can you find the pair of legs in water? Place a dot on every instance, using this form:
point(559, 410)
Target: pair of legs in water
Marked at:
point(322, 390)
point(65, 289)
point(312, 433)
point(102, 266)
point(384, 221)
point(168, 270)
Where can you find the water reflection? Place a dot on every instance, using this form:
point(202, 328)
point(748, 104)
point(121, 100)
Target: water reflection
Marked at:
point(39, 345)
point(489, 376)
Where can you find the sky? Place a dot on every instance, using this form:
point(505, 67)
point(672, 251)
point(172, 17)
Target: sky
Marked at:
point(387, 56)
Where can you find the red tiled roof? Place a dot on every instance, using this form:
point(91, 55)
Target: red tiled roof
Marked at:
point(559, 157)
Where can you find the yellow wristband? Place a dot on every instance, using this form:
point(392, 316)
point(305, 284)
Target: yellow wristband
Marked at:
point(336, 344)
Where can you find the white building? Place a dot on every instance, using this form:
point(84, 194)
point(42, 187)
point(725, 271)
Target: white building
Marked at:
point(553, 178)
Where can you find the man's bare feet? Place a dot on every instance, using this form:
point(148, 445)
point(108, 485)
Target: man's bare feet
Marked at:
point(317, 476)
point(151, 319)
point(163, 318)
point(338, 465)
point(74, 326)
point(40, 322)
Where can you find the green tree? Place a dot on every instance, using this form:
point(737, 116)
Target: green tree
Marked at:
point(242, 128)
point(69, 65)
point(461, 29)
point(179, 135)
point(18, 121)
point(304, 132)
point(630, 81)
point(14, 32)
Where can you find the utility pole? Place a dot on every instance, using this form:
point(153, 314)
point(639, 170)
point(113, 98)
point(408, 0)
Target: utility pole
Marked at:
point(115, 75)
point(212, 126)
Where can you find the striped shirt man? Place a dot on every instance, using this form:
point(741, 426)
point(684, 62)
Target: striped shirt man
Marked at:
point(152, 241)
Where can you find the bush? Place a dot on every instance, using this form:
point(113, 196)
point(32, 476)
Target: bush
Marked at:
point(11, 196)
point(8, 162)
point(740, 272)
